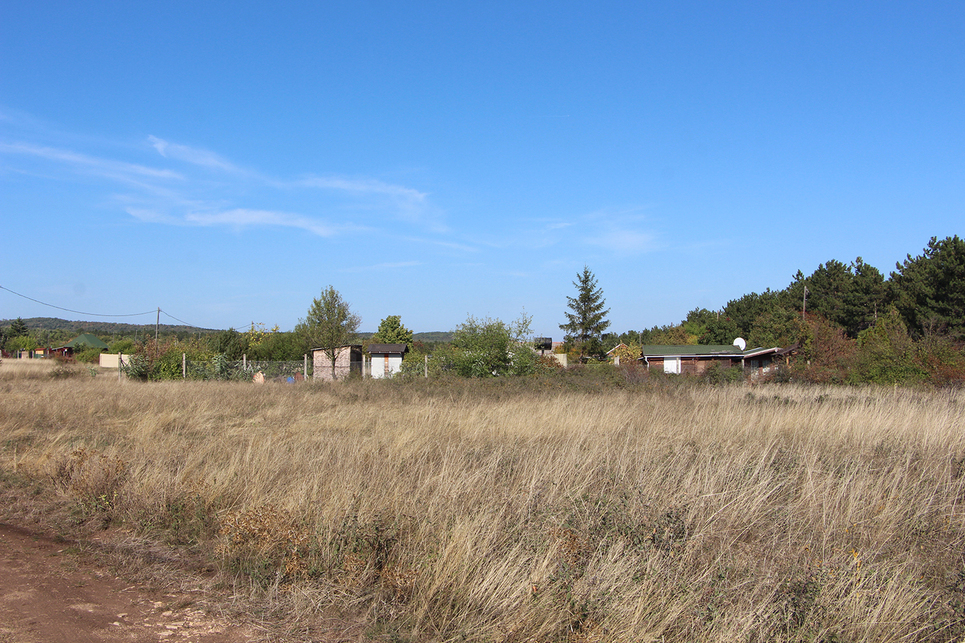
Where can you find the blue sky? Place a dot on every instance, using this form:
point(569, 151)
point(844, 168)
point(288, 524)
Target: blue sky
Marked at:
point(227, 161)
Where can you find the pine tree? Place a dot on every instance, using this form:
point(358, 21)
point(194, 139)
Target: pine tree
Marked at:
point(865, 302)
point(929, 290)
point(587, 321)
point(18, 328)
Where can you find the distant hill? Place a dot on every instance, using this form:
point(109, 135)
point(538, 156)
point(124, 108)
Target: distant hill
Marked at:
point(102, 328)
point(433, 336)
point(110, 328)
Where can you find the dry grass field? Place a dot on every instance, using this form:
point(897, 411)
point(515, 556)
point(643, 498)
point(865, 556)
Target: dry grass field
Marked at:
point(557, 509)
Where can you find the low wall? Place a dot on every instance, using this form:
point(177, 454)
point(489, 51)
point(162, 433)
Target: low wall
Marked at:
point(110, 361)
point(561, 358)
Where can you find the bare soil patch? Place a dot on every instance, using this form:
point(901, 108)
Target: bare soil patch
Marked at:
point(49, 591)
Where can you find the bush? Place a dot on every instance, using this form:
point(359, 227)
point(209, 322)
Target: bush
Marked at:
point(942, 359)
point(826, 353)
point(88, 355)
point(491, 347)
point(164, 361)
point(716, 374)
point(886, 354)
point(125, 346)
point(136, 367)
point(62, 371)
point(168, 366)
point(21, 343)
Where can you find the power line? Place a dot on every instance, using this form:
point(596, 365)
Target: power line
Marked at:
point(164, 312)
point(78, 312)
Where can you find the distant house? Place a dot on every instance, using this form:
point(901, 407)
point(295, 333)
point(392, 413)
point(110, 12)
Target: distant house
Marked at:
point(612, 353)
point(348, 360)
point(695, 360)
point(614, 349)
point(79, 343)
point(86, 340)
point(386, 359)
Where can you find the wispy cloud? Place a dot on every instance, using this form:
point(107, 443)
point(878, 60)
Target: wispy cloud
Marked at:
point(404, 203)
point(364, 194)
point(188, 185)
point(237, 218)
point(442, 243)
point(193, 155)
point(364, 186)
point(383, 266)
point(624, 241)
point(150, 216)
point(623, 231)
point(107, 168)
point(242, 218)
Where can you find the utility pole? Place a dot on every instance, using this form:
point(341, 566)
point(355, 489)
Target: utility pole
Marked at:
point(804, 308)
point(157, 324)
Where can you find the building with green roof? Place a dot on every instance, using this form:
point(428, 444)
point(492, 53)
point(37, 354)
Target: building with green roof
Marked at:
point(85, 340)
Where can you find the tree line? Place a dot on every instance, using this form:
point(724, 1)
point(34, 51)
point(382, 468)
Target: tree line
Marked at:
point(844, 322)
point(927, 292)
point(847, 322)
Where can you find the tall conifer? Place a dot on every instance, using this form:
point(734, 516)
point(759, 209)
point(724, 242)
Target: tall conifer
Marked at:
point(587, 321)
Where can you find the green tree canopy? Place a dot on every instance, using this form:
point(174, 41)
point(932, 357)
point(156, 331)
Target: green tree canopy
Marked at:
point(18, 328)
point(866, 300)
point(737, 319)
point(391, 331)
point(886, 353)
point(827, 288)
point(669, 335)
point(697, 321)
point(231, 344)
point(929, 290)
point(777, 326)
point(587, 321)
point(491, 347)
point(21, 342)
point(329, 324)
point(850, 296)
point(723, 330)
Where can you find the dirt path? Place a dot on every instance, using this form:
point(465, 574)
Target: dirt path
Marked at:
point(49, 594)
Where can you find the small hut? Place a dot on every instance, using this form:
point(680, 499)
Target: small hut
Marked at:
point(386, 359)
point(348, 360)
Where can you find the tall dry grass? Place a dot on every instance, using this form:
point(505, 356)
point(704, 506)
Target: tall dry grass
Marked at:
point(539, 510)
point(19, 369)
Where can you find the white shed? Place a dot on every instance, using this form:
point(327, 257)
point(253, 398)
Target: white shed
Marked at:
point(386, 359)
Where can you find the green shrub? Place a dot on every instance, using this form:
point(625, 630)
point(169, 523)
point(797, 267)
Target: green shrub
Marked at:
point(886, 354)
point(136, 367)
point(88, 355)
point(717, 374)
point(490, 348)
point(21, 343)
point(125, 346)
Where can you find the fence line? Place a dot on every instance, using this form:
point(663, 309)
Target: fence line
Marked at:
point(224, 369)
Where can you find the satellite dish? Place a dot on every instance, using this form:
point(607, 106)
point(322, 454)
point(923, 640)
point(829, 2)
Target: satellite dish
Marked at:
point(740, 343)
